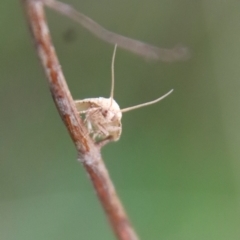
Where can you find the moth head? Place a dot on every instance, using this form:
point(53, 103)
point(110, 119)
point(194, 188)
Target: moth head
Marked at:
point(110, 109)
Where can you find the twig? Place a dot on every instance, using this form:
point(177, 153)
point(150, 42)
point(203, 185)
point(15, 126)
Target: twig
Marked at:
point(146, 50)
point(89, 153)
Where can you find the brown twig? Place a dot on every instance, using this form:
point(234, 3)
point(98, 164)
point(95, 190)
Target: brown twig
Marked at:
point(178, 53)
point(89, 153)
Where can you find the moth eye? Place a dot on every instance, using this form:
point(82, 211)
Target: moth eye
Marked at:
point(104, 113)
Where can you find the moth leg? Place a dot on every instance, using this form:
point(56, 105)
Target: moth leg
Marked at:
point(94, 134)
point(104, 141)
point(94, 128)
point(103, 129)
point(95, 124)
point(87, 120)
point(91, 112)
point(100, 133)
point(88, 111)
point(89, 129)
point(113, 128)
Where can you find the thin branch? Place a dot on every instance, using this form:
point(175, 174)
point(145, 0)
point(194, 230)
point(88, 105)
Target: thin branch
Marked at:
point(89, 153)
point(146, 50)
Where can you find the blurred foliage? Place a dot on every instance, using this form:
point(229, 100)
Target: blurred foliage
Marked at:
point(176, 166)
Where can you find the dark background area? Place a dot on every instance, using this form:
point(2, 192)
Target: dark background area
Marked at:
point(176, 166)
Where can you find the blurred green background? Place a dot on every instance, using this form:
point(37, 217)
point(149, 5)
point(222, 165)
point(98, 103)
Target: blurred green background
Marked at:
point(176, 166)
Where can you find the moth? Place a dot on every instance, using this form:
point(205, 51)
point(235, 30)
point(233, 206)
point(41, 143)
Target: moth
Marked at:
point(102, 116)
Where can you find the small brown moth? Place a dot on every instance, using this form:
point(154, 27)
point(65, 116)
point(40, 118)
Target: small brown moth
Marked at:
point(102, 116)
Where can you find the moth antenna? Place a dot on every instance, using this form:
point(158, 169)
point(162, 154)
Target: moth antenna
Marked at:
point(112, 69)
point(146, 104)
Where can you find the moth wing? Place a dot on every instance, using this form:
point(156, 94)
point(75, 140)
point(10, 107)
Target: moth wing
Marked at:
point(83, 105)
